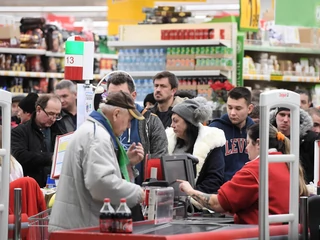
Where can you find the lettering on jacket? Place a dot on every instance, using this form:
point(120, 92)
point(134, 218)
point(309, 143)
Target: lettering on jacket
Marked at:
point(235, 145)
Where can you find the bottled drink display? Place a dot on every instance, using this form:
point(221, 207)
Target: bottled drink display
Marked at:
point(107, 215)
point(142, 59)
point(123, 218)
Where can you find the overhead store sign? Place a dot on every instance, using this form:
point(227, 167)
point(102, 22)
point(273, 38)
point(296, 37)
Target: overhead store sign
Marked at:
point(125, 12)
point(129, 12)
point(249, 15)
point(297, 13)
point(181, 1)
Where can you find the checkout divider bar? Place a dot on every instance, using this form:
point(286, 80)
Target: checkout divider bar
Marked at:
point(281, 158)
point(268, 100)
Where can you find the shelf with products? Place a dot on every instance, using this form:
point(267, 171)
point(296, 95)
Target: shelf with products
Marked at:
point(178, 73)
point(195, 61)
point(286, 67)
point(51, 66)
point(169, 43)
point(284, 78)
point(38, 74)
point(266, 47)
point(27, 51)
point(30, 51)
point(96, 55)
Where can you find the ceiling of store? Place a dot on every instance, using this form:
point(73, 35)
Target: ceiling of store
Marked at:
point(79, 9)
point(53, 3)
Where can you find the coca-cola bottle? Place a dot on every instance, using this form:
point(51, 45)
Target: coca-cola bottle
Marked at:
point(123, 218)
point(107, 214)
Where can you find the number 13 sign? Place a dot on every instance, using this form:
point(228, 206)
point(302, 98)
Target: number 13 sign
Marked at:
point(78, 59)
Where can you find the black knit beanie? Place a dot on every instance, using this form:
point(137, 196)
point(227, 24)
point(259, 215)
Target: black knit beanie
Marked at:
point(28, 103)
point(279, 109)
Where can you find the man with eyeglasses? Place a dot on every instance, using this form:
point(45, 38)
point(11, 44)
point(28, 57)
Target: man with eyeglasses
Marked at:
point(32, 143)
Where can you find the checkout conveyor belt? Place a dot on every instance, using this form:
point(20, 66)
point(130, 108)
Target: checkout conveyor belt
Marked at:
point(192, 225)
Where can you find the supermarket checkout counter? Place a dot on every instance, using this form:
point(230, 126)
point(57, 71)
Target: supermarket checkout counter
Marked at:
point(199, 226)
point(214, 228)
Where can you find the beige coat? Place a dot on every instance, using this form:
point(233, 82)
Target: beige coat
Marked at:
point(89, 174)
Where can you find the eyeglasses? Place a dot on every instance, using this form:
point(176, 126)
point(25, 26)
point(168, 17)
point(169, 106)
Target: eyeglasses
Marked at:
point(51, 114)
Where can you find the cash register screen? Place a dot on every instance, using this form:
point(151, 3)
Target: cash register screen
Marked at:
point(177, 167)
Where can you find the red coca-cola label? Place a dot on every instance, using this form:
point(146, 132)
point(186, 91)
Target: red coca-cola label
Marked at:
point(198, 34)
point(106, 225)
point(222, 36)
point(180, 34)
point(124, 225)
point(165, 34)
point(191, 34)
point(204, 33)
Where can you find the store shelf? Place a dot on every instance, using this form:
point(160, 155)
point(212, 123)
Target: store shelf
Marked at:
point(256, 77)
point(106, 55)
point(54, 54)
point(281, 49)
point(167, 43)
point(37, 74)
point(28, 51)
point(96, 55)
point(281, 78)
point(179, 73)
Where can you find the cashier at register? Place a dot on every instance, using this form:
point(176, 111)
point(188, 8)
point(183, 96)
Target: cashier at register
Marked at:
point(96, 166)
point(240, 195)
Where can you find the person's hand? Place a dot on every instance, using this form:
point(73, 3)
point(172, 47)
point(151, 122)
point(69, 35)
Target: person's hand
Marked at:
point(185, 187)
point(143, 197)
point(135, 153)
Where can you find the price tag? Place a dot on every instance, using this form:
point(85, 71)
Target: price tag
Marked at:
point(318, 13)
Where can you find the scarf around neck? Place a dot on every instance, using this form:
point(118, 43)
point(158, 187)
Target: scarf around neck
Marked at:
point(123, 159)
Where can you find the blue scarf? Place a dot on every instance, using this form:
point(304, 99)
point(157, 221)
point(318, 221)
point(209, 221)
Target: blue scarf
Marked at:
point(123, 159)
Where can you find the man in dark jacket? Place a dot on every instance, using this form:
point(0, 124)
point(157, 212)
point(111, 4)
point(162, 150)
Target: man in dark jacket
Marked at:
point(67, 92)
point(32, 143)
point(280, 118)
point(165, 86)
point(149, 132)
point(235, 124)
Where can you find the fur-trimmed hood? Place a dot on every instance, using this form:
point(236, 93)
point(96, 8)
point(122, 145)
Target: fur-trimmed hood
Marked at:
point(306, 122)
point(208, 139)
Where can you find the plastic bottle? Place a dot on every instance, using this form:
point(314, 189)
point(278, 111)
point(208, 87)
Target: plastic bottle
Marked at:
point(107, 217)
point(123, 218)
point(120, 59)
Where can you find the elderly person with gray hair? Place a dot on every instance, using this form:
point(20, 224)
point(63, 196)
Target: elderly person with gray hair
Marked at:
point(187, 135)
point(96, 167)
point(67, 91)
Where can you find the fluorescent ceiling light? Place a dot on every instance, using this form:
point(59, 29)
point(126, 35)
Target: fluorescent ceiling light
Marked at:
point(53, 9)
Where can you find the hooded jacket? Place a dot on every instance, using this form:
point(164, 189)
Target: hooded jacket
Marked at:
point(151, 134)
point(208, 149)
point(307, 138)
point(166, 117)
point(235, 154)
